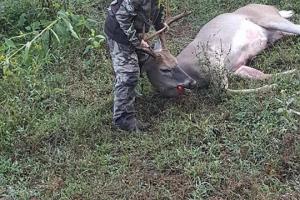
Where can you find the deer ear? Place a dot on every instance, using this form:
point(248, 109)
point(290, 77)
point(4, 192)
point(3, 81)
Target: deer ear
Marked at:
point(157, 46)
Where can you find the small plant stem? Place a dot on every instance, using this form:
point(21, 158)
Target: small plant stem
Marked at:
point(23, 35)
point(294, 112)
point(35, 38)
point(247, 91)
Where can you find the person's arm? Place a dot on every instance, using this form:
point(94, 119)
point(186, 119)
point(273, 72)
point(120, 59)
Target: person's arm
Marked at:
point(124, 16)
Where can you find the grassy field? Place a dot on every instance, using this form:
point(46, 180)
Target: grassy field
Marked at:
point(57, 141)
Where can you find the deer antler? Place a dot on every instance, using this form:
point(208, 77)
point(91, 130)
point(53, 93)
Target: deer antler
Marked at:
point(161, 34)
point(147, 51)
point(168, 22)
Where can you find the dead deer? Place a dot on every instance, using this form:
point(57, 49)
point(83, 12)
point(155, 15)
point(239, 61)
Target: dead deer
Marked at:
point(222, 46)
point(228, 41)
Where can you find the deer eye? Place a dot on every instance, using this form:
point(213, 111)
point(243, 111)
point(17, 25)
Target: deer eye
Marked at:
point(165, 70)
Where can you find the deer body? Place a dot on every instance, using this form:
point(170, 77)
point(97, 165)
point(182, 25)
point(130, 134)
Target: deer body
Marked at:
point(229, 40)
point(224, 45)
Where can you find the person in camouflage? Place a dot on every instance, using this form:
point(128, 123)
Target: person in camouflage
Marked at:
point(125, 23)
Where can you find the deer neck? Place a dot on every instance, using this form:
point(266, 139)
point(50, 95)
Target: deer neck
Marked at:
point(150, 68)
point(189, 59)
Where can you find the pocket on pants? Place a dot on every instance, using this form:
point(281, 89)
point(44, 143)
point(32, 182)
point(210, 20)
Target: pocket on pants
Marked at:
point(129, 79)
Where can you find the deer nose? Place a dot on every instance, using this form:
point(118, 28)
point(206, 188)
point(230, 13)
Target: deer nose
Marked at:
point(190, 83)
point(193, 83)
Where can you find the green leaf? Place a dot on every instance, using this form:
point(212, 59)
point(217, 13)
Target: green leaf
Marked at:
point(87, 49)
point(22, 20)
point(96, 44)
point(62, 14)
point(56, 36)
point(60, 29)
point(10, 43)
point(28, 28)
point(6, 71)
point(100, 37)
point(70, 28)
point(35, 26)
point(26, 53)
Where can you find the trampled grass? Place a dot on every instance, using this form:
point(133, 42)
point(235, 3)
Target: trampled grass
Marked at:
point(57, 141)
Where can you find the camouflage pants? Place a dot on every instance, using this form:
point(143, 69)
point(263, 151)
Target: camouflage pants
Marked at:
point(127, 72)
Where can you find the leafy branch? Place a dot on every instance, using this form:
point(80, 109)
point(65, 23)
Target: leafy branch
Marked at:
point(28, 44)
point(62, 17)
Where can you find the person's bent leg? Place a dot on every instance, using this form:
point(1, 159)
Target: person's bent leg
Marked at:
point(124, 98)
point(127, 71)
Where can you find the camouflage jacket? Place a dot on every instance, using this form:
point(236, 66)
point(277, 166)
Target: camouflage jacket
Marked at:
point(127, 18)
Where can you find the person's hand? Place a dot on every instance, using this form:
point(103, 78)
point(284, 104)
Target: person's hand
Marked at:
point(144, 44)
point(144, 47)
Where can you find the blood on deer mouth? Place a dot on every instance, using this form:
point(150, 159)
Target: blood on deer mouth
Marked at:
point(180, 89)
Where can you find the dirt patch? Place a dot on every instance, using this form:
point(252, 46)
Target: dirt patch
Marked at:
point(290, 196)
point(181, 30)
point(233, 188)
point(154, 184)
point(56, 184)
point(288, 143)
point(143, 181)
point(290, 159)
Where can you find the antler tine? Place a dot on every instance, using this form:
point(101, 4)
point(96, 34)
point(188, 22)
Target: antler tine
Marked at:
point(147, 51)
point(168, 22)
point(163, 40)
point(155, 34)
point(171, 20)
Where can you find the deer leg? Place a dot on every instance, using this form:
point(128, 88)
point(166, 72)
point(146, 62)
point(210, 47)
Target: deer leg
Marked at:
point(286, 13)
point(251, 73)
point(254, 74)
point(279, 24)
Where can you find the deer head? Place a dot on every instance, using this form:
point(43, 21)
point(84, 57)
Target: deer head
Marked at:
point(162, 67)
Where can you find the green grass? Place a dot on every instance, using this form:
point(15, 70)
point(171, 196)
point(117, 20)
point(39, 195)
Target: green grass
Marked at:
point(57, 141)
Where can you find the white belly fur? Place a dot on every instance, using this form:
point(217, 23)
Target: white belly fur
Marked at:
point(249, 40)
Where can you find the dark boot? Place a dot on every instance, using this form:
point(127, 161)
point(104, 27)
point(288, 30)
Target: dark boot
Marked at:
point(141, 126)
point(135, 126)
